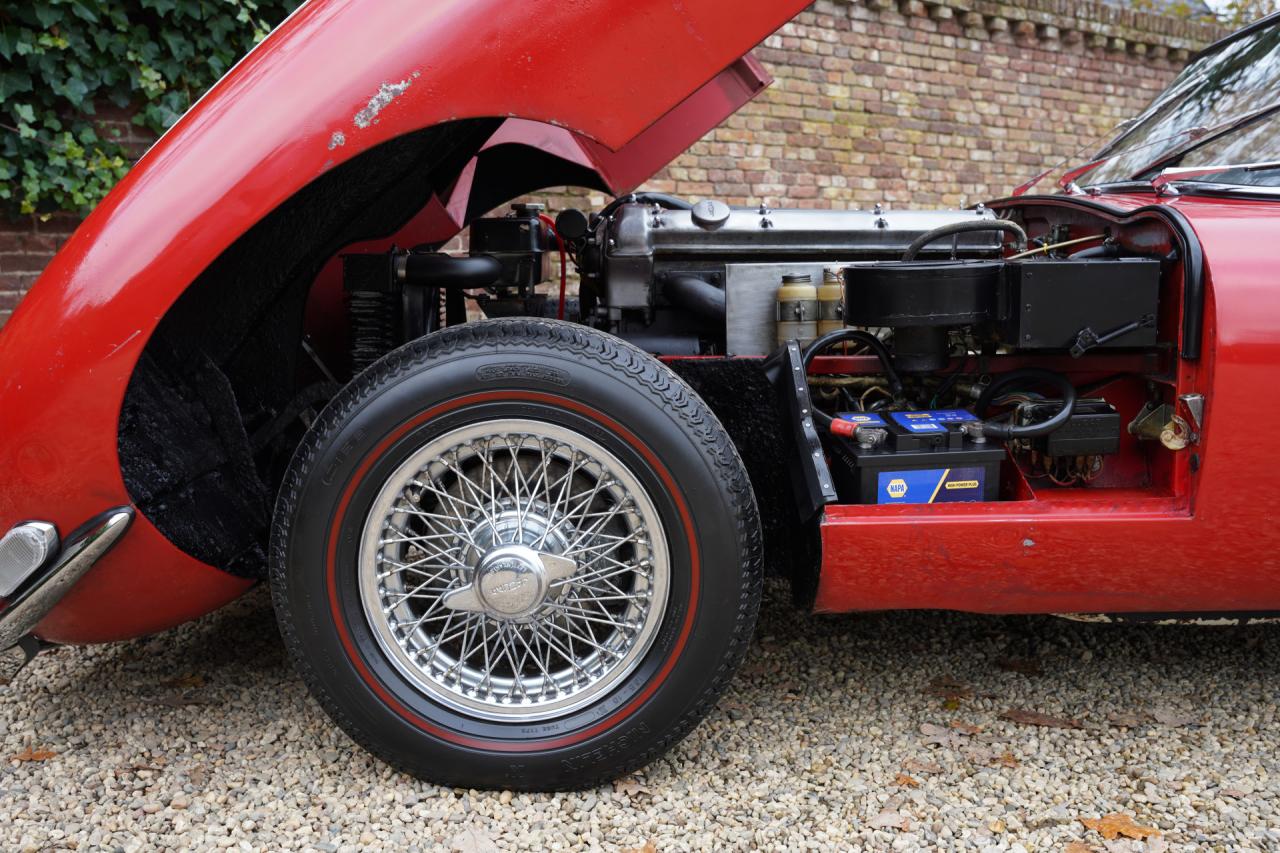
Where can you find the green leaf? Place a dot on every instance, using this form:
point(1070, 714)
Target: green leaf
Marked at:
point(67, 58)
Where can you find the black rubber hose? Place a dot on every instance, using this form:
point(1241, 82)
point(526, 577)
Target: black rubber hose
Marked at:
point(695, 295)
point(1106, 250)
point(995, 429)
point(964, 228)
point(447, 271)
point(668, 201)
point(840, 336)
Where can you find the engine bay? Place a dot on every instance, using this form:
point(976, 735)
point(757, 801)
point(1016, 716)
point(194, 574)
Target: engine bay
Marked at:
point(915, 357)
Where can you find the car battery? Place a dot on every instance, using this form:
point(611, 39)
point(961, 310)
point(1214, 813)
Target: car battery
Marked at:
point(920, 457)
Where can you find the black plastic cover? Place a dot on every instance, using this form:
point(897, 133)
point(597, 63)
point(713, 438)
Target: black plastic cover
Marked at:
point(1046, 304)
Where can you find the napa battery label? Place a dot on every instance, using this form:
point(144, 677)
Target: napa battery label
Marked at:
point(932, 421)
point(861, 419)
point(931, 486)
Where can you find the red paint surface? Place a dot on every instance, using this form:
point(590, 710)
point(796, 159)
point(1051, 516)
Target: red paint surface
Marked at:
point(617, 76)
point(258, 137)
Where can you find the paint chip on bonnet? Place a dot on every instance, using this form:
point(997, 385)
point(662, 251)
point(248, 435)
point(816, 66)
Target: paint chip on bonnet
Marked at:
point(337, 140)
point(386, 94)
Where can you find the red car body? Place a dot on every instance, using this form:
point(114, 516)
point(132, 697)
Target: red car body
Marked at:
point(339, 78)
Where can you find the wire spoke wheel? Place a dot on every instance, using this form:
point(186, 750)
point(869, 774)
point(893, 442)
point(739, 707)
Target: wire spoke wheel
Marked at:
point(514, 570)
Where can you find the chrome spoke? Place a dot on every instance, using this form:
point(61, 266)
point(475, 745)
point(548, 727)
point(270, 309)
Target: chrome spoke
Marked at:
point(514, 570)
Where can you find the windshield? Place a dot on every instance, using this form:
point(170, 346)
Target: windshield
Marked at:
point(1224, 108)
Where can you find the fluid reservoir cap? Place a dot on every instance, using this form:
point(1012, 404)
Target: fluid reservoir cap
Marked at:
point(710, 215)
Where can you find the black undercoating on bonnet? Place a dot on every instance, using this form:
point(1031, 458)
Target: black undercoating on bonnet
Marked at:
point(224, 363)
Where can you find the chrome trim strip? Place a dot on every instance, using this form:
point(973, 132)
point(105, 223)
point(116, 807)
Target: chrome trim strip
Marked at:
point(82, 550)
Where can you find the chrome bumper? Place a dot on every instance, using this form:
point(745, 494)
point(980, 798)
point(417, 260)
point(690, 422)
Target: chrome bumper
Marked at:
point(38, 594)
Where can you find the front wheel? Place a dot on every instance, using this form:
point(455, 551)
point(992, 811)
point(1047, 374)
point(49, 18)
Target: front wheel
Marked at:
point(517, 554)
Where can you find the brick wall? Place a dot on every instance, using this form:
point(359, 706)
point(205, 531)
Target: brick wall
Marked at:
point(877, 101)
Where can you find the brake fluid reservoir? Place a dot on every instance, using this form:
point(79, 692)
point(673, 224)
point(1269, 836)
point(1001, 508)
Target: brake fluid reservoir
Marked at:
point(797, 310)
point(830, 302)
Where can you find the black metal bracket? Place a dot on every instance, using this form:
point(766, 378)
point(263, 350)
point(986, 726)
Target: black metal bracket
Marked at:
point(810, 476)
point(1087, 338)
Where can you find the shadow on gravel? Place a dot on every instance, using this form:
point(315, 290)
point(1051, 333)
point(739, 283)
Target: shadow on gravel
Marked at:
point(1068, 665)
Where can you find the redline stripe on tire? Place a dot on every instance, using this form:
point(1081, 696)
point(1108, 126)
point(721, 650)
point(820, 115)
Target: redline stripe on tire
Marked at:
point(496, 745)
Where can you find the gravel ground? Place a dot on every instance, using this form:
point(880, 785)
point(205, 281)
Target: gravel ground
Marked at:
point(864, 732)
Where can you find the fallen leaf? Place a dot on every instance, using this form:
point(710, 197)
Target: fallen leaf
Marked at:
point(1025, 666)
point(951, 704)
point(966, 728)
point(1007, 760)
point(918, 766)
point(649, 847)
point(1127, 719)
point(905, 781)
point(1167, 717)
point(182, 701)
point(1079, 847)
point(1235, 793)
point(942, 735)
point(631, 786)
point(30, 754)
point(1116, 824)
point(194, 679)
point(948, 688)
point(1035, 718)
point(890, 820)
point(472, 841)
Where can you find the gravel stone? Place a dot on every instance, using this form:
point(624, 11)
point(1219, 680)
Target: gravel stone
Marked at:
point(203, 738)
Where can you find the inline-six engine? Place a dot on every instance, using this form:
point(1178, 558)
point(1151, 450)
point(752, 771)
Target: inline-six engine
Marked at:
point(933, 295)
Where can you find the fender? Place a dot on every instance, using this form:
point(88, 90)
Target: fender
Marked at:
point(602, 84)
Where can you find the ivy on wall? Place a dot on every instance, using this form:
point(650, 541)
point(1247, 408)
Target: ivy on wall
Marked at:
point(60, 60)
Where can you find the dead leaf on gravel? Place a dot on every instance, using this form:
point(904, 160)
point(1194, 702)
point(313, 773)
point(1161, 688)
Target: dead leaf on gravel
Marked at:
point(1035, 718)
point(472, 841)
point(890, 820)
point(30, 754)
point(905, 781)
point(1234, 793)
point(1008, 759)
point(942, 735)
point(917, 766)
point(966, 728)
point(1079, 847)
point(631, 786)
point(1116, 824)
point(182, 701)
point(185, 682)
point(649, 847)
point(1167, 717)
point(948, 688)
point(1126, 719)
point(1024, 666)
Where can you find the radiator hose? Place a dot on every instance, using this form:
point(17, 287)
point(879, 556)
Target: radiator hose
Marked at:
point(964, 228)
